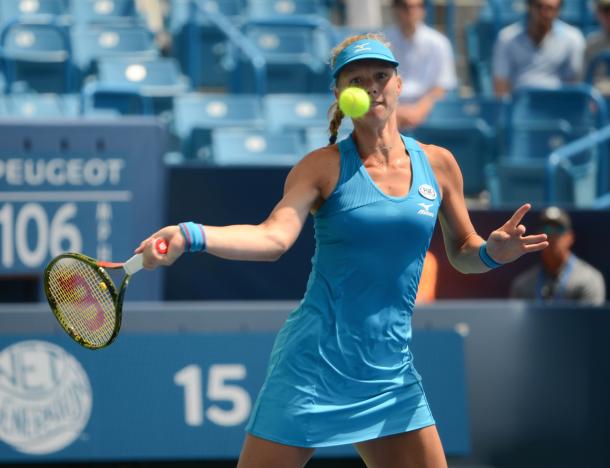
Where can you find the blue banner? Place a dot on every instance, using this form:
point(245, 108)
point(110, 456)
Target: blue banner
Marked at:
point(171, 396)
point(91, 187)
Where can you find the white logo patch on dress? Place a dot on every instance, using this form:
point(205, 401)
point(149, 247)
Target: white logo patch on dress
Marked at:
point(427, 191)
point(425, 209)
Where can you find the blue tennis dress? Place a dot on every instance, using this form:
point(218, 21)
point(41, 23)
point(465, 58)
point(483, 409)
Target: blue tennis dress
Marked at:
point(341, 370)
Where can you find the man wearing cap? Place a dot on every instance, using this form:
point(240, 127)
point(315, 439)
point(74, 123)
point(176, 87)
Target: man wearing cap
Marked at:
point(540, 51)
point(599, 42)
point(561, 275)
point(427, 64)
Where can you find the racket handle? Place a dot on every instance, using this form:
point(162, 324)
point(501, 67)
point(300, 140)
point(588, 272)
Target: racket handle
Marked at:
point(135, 263)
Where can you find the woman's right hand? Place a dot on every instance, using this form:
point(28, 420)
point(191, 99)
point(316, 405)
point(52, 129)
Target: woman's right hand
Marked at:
point(175, 248)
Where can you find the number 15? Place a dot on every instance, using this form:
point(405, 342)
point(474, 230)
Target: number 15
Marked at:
point(190, 378)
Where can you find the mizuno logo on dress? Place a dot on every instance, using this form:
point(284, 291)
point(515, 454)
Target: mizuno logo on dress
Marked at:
point(425, 209)
point(362, 47)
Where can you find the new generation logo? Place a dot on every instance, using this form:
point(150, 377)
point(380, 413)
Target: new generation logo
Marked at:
point(45, 397)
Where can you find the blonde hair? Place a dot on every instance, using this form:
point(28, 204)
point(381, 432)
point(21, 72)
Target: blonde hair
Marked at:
point(337, 115)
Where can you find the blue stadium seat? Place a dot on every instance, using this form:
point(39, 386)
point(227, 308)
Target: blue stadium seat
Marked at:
point(514, 182)
point(281, 8)
point(33, 9)
point(296, 51)
point(70, 104)
point(579, 105)
point(198, 42)
point(114, 99)
point(107, 40)
point(470, 141)
point(490, 109)
point(480, 39)
point(297, 111)
point(318, 137)
point(136, 83)
point(38, 54)
point(47, 105)
point(539, 122)
point(197, 115)
point(238, 147)
point(104, 11)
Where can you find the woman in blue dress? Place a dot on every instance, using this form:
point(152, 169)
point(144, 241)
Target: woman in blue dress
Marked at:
point(341, 369)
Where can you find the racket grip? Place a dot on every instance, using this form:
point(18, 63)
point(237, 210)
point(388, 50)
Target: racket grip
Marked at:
point(135, 263)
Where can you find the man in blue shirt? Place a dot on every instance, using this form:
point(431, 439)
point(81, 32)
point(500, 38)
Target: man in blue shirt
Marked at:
point(541, 51)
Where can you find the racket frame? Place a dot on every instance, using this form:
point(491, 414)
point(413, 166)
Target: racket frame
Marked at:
point(100, 270)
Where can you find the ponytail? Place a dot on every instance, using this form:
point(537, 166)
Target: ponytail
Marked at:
point(335, 123)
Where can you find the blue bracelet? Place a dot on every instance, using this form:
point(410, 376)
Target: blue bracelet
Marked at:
point(194, 235)
point(486, 259)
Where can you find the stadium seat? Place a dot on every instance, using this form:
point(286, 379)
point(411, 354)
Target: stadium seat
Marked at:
point(104, 11)
point(133, 86)
point(539, 122)
point(490, 109)
point(295, 50)
point(297, 111)
point(199, 42)
point(514, 182)
point(470, 141)
point(38, 54)
point(579, 105)
point(106, 40)
point(32, 9)
point(281, 8)
point(197, 115)
point(480, 39)
point(35, 105)
point(238, 147)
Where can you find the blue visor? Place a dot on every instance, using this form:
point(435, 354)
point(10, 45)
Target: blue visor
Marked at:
point(360, 50)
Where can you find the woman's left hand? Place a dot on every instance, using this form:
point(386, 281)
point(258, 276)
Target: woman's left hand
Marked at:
point(509, 242)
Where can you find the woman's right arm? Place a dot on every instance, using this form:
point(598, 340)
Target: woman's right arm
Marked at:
point(266, 241)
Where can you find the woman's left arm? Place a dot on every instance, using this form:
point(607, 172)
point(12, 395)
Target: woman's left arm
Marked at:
point(462, 243)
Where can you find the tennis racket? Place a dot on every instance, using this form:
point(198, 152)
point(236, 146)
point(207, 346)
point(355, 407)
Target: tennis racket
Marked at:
point(85, 300)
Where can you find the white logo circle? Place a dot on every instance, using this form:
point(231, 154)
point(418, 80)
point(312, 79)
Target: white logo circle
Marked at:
point(45, 397)
point(427, 191)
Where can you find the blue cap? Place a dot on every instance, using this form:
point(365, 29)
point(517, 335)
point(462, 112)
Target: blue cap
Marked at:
point(360, 50)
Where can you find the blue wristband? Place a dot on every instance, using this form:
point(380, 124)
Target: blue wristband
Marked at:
point(486, 259)
point(194, 235)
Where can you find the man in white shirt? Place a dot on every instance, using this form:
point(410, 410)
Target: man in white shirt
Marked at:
point(541, 51)
point(426, 59)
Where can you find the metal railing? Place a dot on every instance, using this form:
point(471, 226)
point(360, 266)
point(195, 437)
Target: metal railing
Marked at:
point(563, 159)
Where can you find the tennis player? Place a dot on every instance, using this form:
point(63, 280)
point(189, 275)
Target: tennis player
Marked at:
point(341, 368)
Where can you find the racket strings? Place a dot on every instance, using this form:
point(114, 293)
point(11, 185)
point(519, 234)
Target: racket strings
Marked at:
point(84, 304)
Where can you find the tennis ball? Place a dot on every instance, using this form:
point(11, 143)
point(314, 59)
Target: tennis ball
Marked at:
point(354, 102)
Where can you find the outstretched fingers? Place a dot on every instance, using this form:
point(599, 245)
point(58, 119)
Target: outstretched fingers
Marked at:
point(515, 220)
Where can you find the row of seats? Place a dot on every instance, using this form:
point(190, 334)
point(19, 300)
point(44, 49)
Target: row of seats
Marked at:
point(95, 11)
point(501, 146)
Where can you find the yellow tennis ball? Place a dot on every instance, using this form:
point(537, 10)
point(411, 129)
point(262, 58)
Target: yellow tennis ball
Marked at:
point(354, 102)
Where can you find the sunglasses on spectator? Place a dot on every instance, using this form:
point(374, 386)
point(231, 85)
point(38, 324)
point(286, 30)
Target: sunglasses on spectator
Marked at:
point(604, 9)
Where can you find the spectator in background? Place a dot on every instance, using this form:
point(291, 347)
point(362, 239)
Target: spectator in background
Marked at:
point(599, 42)
point(561, 275)
point(427, 65)
point(541, 51)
